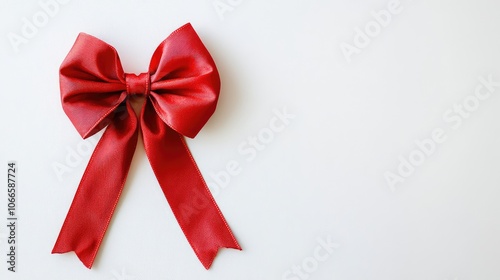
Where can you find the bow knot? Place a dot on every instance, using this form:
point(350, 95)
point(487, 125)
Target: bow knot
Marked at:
point(138, 84)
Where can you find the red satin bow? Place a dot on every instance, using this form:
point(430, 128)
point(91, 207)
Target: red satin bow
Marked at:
point(181, 91)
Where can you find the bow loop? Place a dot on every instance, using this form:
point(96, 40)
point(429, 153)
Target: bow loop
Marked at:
point(185, 83)
point(92, 84)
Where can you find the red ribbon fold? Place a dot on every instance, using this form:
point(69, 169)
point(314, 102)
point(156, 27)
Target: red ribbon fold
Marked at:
point(181, 90)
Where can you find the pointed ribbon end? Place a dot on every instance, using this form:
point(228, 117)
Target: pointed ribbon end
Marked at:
point(86, 260)
point(208, 257)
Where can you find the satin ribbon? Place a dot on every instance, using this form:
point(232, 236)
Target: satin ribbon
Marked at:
point(181, 90)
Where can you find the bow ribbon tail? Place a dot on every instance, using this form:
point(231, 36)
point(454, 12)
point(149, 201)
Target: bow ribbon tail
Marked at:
point(100, 188)
point(184, 188)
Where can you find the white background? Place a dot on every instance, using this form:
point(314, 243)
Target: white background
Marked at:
point(321, 177)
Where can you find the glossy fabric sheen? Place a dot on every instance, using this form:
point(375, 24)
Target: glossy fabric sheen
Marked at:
point(181, 90)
